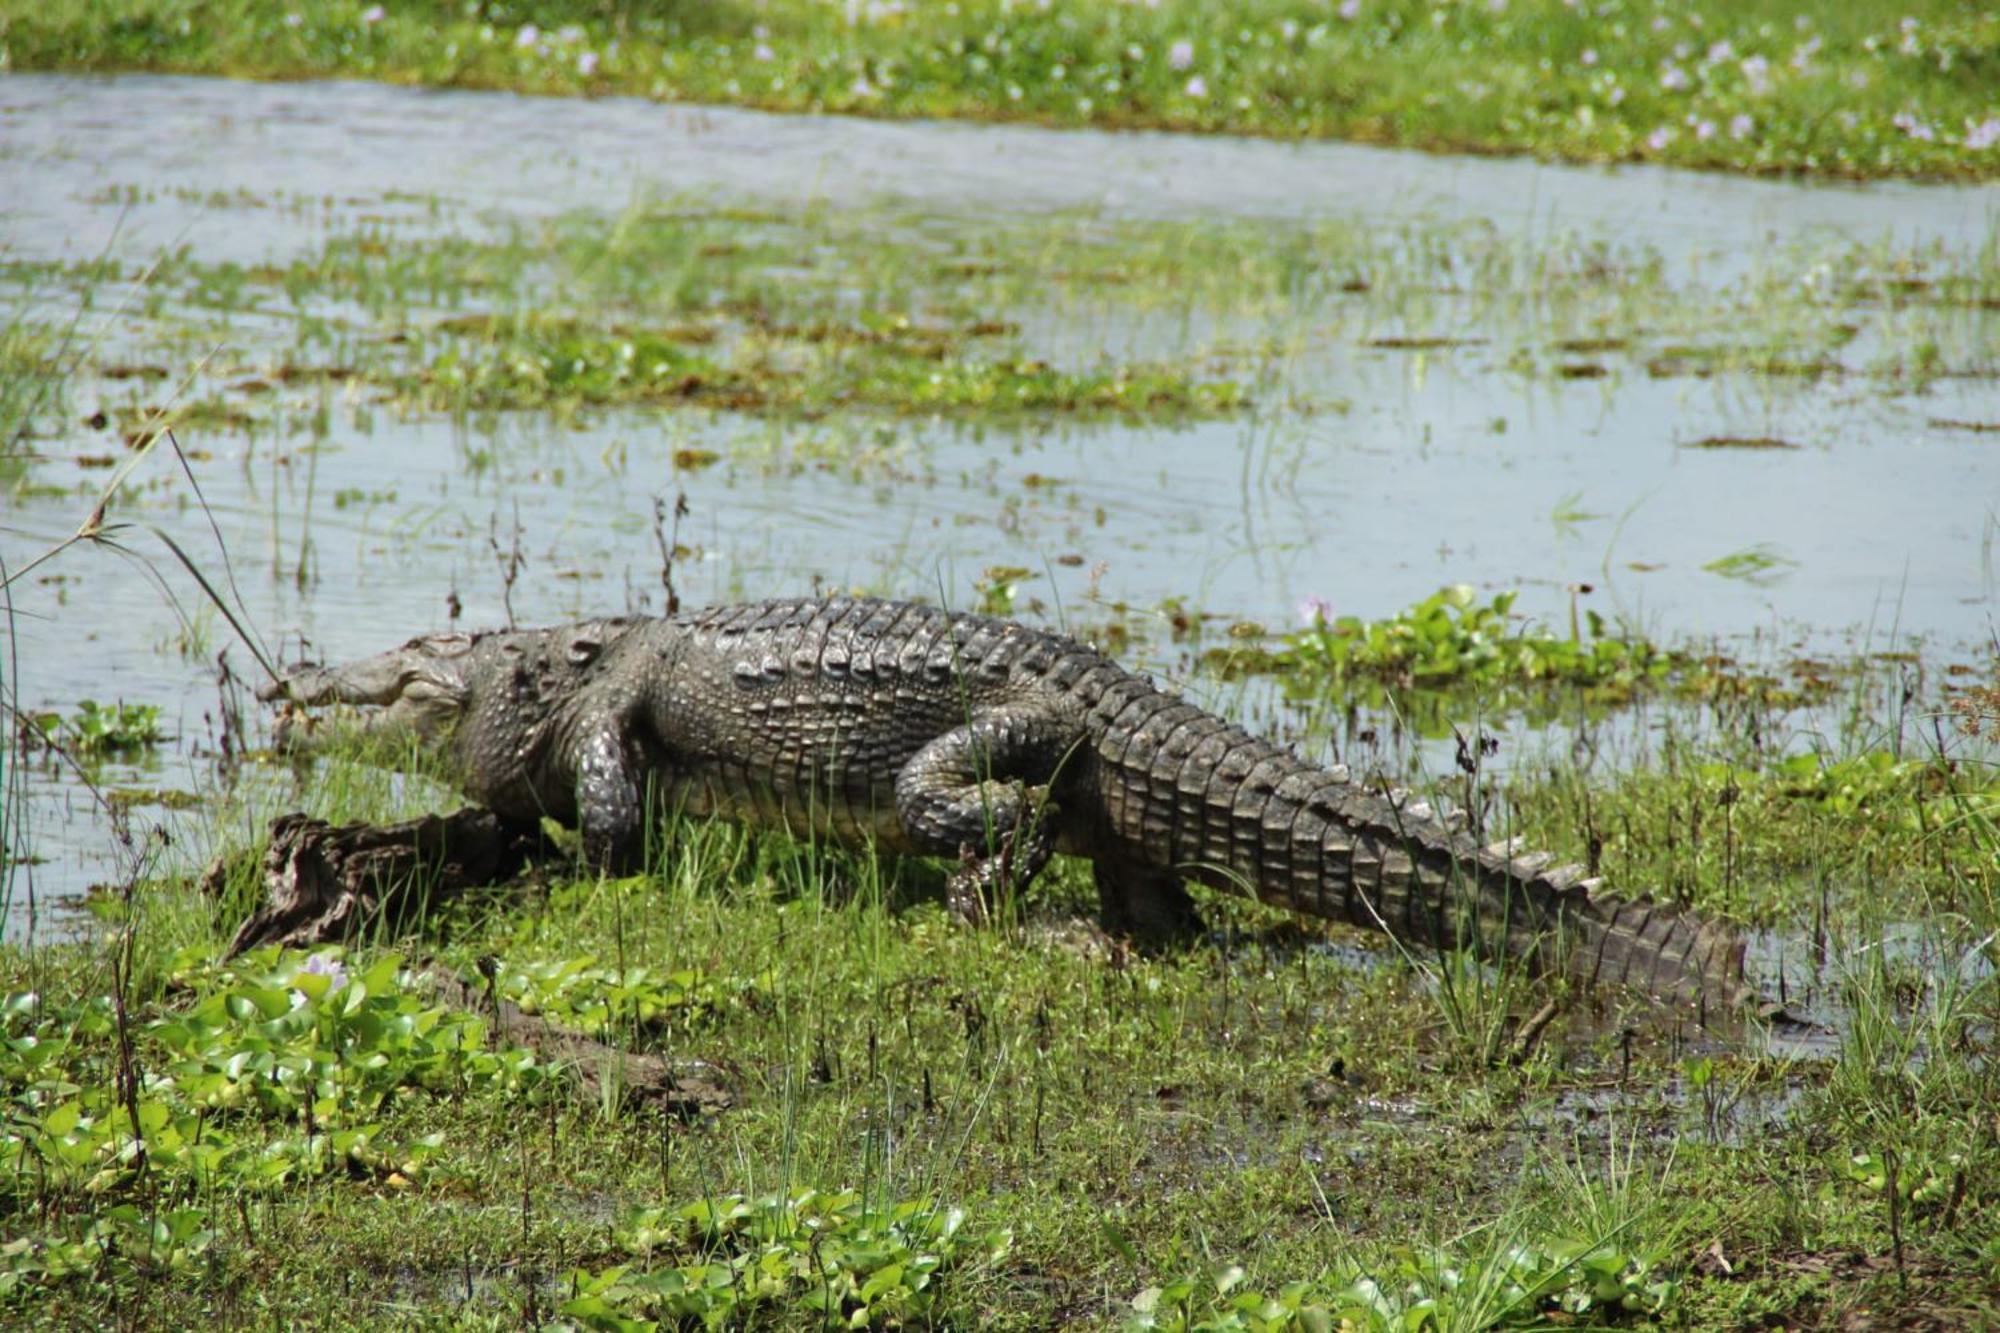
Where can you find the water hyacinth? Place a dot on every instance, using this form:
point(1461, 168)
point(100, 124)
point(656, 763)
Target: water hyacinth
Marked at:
point(1915, 126)
point(1339, 68)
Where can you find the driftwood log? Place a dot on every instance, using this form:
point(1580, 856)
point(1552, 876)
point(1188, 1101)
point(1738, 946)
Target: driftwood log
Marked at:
point(329, 884)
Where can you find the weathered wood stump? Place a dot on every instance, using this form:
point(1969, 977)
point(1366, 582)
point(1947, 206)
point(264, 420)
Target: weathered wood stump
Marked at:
point(326, 883)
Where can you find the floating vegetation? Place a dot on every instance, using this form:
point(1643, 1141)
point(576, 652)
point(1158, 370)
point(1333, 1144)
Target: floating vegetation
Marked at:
point(1762, 563)
point(1741, 442)
point(98, 730)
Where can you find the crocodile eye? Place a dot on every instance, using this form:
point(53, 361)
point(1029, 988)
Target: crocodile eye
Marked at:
point(582, 652)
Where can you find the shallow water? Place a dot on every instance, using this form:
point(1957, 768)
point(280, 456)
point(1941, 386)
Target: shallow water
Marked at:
point(67, 135)
point(1887, 519)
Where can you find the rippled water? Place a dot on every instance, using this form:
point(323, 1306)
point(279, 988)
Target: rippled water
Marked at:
point(1889, 518)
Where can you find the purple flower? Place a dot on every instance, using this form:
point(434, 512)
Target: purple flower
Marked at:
point(764, 53)
point(1673, 78)
point(1704, 129)
point(373, 14)
point(1740, 126)
point(1316, 612)
point(1349, 10)
point(527, 36)
point(1660, 138)
point(1197, 87)
point(1720, 52)
point(1984, 135)
point(326, 965)
point(1756, 73)
point(1589, 56)
point(1180, 55)
point(1914, 126)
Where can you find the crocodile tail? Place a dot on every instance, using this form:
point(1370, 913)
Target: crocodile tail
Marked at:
point(1320, 843)
point(1186, 791)
point(1425, 879)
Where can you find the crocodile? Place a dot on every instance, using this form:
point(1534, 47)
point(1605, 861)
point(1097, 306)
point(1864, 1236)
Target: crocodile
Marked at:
point(947, 734)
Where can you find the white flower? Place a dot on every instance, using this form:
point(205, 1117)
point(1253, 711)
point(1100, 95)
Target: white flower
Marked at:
point(1197, 87)
point(1349, 9)
point(294, 20)
point(1757, 73)
point(1589, 56)
point(586, 63)
point(1180, 55)
point(373, 14)
point(764, 53)
point(1720, 52)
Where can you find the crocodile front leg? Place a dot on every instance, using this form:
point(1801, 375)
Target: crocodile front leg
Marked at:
point(611, 797)
point(980, 792)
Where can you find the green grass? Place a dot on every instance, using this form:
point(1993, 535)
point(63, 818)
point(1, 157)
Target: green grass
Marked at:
point(1864, 89)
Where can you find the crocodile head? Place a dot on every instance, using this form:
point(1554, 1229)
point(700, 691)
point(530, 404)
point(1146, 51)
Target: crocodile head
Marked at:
point(420, 689)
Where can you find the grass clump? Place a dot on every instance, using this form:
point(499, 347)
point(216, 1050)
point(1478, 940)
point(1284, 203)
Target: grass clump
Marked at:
point(566, 368)
point(1872, 89)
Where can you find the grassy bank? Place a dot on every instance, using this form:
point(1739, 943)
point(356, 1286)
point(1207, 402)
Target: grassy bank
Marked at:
point(1865, 89)
point(888, 1120)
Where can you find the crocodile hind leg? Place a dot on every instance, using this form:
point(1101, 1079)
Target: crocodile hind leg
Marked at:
point(980, 792)
point(1148, 905)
